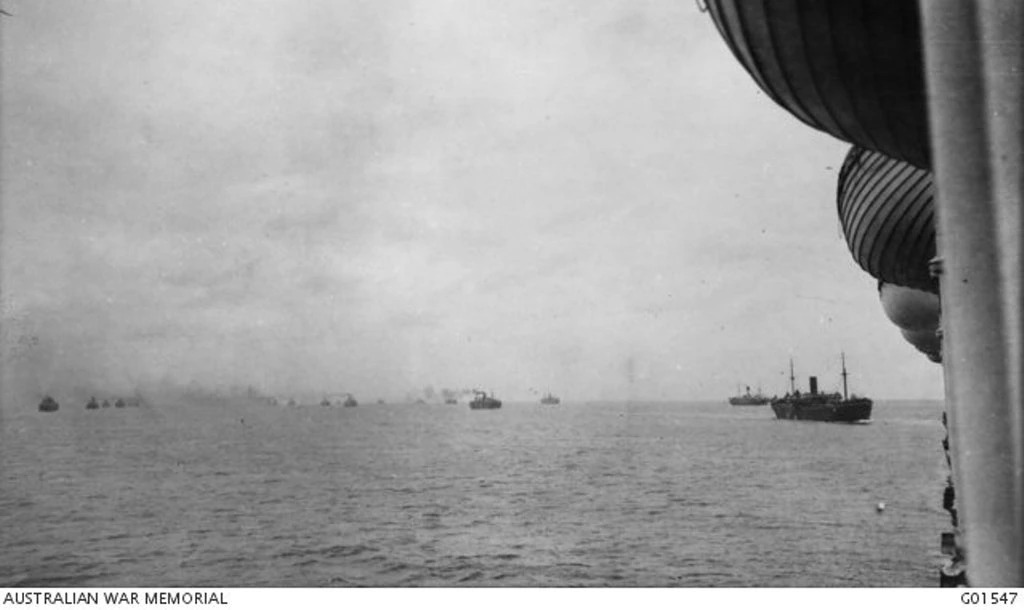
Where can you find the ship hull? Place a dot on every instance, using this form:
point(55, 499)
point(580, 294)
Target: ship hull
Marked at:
point(847, 411)
point(485, 405)
point(745, 401)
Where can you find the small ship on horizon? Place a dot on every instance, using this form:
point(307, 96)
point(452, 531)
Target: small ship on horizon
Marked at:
point(550, 399)
point(748, 399)
point(482, 401)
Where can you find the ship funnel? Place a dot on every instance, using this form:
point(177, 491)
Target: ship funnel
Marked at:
point(814, 385)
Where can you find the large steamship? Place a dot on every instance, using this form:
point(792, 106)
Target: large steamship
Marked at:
point(816, 406)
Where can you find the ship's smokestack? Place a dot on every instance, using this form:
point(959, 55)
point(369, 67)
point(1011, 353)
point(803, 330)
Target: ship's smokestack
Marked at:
point(814, 385)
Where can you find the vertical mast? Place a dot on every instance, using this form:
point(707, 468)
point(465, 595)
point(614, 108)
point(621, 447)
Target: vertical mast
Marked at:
point(844, 374)
point(792, 379)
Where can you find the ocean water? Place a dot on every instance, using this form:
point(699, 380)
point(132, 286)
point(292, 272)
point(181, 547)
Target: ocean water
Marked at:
point(241, 494)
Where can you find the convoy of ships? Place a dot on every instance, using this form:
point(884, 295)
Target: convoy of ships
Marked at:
point(794, 405)
point(812, 405)
point(48, 404)
point(350, 401)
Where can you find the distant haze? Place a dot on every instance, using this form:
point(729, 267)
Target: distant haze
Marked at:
point(587, 197)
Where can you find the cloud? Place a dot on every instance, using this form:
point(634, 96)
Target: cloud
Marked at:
point(446, 193)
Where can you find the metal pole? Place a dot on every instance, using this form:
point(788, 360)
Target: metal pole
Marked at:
point(975, 77)
point(844, 376)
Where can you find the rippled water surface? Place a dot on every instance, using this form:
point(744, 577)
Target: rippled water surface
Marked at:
point(602, 494)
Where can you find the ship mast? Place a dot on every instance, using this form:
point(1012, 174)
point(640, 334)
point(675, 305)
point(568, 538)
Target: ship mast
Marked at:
point(792, 378)
point(843, 355)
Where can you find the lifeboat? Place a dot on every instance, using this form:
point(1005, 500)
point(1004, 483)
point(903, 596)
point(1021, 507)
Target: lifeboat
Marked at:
point(853, 69)
point(887, 211)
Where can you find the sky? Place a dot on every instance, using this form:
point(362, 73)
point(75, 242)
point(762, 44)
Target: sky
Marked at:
point(588, 197)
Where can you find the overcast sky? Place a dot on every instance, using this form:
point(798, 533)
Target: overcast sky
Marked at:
point(585, 196)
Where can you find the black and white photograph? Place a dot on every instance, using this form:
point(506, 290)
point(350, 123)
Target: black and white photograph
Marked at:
point(534, 295)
